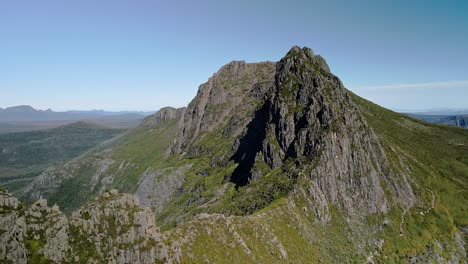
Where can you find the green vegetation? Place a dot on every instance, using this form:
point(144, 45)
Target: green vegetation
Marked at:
point(25, 155)
point(140, 147)
point(437, 156)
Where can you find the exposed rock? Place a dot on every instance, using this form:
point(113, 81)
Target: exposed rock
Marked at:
point(221, 97)
point(51, 179)
point(113, 229)
point(156, 188)
point(48, 227)
point(12, 230)
point(310, 118)
point(101, 167)
point(163, 115)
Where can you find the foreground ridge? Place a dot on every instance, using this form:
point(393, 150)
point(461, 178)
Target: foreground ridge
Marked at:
point(112, 229)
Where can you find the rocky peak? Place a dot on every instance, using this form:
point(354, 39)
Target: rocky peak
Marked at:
point(20, 108)
point(233, 69)
point(224, 94)
point(298, 111)
point(309, 118)
point(163, 115)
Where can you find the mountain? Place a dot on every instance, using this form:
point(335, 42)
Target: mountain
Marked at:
point(452, 120)
point(438, 112)
point(109, 113)
point(23, 113)
point(26, 118)
point(271, 162)
point(25, 155)
point(19, 109)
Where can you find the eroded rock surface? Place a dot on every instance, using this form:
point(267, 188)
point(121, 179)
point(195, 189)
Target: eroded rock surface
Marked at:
point(158, 187)
point(113, 229)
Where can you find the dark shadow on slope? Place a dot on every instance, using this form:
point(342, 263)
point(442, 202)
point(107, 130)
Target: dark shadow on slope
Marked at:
point(250, 144)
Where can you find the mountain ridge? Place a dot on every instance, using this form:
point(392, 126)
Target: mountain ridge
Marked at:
point(26, 118)
point(452, 120)
point(278, 162)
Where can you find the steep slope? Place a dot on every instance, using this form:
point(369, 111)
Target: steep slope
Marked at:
point(278, 162)
point(25, 155)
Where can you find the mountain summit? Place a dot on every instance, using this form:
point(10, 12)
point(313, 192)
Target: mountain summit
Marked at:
point(273, 162)
point(20, 108)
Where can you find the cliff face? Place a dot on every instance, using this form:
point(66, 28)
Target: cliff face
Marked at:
point(294, 112)
point(113, 229)
point(313, 121)
point(223, 96)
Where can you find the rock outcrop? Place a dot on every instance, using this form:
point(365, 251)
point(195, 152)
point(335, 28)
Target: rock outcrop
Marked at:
point(163, 115)
point(156, 188)
point(12, 230)
point(312, 120)
point(294, 111)
point(221, 97)
point(113, 229)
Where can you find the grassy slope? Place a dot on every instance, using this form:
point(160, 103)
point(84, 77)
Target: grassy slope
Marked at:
point(438, 154)
point(438, 159)
point(140, 147)
point(25, 155)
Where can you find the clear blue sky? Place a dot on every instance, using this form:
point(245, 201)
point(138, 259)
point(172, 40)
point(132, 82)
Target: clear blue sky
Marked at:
point(142, 54)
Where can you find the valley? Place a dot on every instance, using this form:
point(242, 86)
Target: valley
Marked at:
point(25, 155)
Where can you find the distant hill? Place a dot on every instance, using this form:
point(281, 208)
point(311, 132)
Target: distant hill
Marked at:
point(19, 109)
point(25, 118)
point(452, 120)
point(25, 155)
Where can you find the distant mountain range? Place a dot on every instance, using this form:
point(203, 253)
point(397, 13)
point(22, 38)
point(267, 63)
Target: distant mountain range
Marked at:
point(25, 155)
point(435, 111)
point(28, 113)
point(23, 118)
point(452, 120)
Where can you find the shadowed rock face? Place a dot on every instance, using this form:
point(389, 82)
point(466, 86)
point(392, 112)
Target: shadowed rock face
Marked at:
point(249, 145)
point(219, 99)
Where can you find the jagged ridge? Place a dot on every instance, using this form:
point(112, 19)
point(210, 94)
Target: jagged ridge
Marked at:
point(113, 229)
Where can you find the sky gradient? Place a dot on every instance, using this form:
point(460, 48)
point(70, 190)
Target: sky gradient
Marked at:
point(143, 55)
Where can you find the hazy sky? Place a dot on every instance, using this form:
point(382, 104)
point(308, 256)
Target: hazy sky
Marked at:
point(142, 54)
